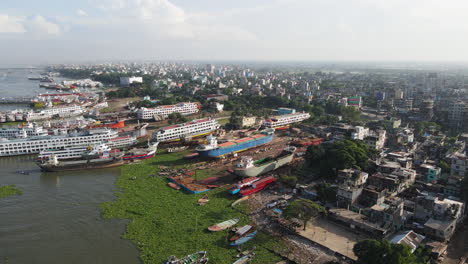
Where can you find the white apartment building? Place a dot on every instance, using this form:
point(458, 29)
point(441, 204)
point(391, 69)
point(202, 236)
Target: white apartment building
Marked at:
point(126, 81)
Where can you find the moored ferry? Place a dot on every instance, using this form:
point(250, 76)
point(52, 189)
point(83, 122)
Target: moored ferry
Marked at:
point(186, 108)
point(69, 153)
point(194, 128)
point(23, 132)
point(283, 121)
point(36, 144)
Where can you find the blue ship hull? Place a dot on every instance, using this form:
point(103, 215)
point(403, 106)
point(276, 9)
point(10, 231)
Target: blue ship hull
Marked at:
point(213, 153)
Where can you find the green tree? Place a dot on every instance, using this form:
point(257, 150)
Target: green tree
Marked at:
point(444, 166)
point(304, 210)
point(289, 180)
point(176, 118)
point(315, 153)
point(372, 251)
point(326, 193)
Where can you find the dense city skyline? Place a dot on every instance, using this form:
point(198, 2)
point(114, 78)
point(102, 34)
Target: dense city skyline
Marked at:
point(52, 31)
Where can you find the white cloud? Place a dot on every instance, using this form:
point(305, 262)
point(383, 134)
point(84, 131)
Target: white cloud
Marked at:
point(82, 13)
point(31, 25)
point(9, 24)
point(39, 25)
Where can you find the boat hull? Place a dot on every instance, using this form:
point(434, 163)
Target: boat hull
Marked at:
point(219, 152)
point(261, 169)
point(70, 166)
point(148, 155)
point(119, 124)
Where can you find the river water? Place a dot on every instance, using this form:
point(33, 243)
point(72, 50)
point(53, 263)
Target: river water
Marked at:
point(57, 219)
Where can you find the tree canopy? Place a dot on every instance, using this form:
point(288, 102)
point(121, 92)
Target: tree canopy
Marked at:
point(304, 210)
point(372, 251)
point(339, 155)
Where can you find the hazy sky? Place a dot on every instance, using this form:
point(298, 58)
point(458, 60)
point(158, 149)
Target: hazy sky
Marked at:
point(33, 31)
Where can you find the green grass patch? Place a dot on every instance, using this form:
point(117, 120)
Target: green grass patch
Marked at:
point(223, 121)
point(8, 190)
point(167, 222)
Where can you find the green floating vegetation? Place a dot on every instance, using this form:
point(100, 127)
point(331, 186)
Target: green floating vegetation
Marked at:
point(168, 222)
point(8, 190)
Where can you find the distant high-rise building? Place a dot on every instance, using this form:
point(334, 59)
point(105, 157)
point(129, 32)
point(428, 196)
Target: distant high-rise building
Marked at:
point(457, 113)
point(427, 109)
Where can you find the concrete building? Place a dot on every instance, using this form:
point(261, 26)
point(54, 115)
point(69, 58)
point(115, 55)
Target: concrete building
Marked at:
point(429, 172)
point(440, 216)
point(376, 140)
point(351, 183)
point(355, 101)
point(127, 81)
point(457, 113)
point(459, 164)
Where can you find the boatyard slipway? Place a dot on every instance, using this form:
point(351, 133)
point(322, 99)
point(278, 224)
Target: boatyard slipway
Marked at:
point(167, 222)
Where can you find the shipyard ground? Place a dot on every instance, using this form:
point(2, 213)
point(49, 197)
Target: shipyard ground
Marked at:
point(166, 222)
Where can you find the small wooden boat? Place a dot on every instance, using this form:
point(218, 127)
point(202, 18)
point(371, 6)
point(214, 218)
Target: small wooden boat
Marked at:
point(204, 200)
point(246, 252)
point(245, 230)
point(244, 259)
point(239, 200)
point(244, 239)
point(224, 225)
point(173, 186)
point(208, 180)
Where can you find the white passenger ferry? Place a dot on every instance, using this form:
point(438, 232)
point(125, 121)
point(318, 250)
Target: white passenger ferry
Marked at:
point(193, 128)
point(165, 110)
point(73, 110)
point(283, 121)
point(122, 142)
point(70, 153)
point(36, 144)
point(23, 132)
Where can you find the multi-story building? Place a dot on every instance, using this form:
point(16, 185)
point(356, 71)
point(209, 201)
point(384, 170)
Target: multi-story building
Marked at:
point(127, 81)
point(429, 172)
point(457, 112)
point(376, 140)
point(355, 101)
point(459, 164)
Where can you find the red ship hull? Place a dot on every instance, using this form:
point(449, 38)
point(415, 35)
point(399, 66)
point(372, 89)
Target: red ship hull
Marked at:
point(119, 124)
point(257, 186)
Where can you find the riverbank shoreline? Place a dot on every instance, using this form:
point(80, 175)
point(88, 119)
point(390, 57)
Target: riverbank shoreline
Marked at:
point(165, 222)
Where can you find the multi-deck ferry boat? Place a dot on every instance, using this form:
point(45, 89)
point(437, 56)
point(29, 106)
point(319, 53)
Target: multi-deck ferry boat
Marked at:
point(92, 159)
point(23, 132)
point(121, 142)
point(190, 129)
point(36, 144)
point(56, 111)
point(283, 121)
point(70, 153)
point(165, 110)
